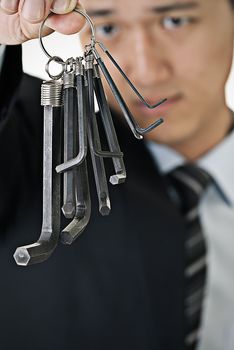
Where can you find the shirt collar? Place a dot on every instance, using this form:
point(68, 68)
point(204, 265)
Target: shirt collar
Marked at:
point(218, 163)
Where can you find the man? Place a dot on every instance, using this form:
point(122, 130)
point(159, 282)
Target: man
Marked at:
point(121, 285)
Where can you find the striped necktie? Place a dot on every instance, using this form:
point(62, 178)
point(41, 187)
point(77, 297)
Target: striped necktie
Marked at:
point(189, 183)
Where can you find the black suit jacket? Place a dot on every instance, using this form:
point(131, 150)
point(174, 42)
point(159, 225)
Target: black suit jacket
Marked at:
point(120, 285)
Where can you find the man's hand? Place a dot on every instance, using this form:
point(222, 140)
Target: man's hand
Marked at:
point(20, 19)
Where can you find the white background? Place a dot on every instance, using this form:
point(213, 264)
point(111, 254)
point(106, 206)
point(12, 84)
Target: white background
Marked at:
point(34, 59)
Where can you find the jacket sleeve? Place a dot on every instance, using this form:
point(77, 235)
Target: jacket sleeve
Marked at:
point(10, 77)
point(20, 137)
point(2, 51)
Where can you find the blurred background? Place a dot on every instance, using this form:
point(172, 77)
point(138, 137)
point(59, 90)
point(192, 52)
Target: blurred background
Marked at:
point(34, 60)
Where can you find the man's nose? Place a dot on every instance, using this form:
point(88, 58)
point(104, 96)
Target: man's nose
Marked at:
point(148, 62)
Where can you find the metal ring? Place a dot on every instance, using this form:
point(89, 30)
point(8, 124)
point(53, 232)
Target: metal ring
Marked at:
point(57, 60)
point(69, 65)
point(84, 14)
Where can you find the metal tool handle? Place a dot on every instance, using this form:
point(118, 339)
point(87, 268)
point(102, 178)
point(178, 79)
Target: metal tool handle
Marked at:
point(104, 49)
point(120, 172)
point(47, 242)
point(97, 161)
point(70, 110)
point(82, 127)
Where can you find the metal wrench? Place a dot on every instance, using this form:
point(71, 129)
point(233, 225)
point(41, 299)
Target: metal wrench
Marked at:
point(82, 122)
point(81, 181)
point(83, 206)
point(43, 248)
point(108, 124)
point(70, 109)
point(135, 128)
point(94, 142)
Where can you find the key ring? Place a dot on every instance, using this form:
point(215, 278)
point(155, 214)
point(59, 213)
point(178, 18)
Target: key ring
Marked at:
point(82, 13)
point(57, 60)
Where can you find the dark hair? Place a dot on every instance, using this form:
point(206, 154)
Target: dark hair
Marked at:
point(232, 3)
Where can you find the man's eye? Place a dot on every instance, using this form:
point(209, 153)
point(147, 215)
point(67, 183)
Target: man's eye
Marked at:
point(107, 31)
point(175, 22)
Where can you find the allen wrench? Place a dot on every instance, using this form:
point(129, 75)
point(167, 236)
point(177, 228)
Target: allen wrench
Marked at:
point(81, 183)
point(83, 206)
point(69, 98)
point(120, 172)
point(138, 132)
point(95, 143)
point(82, 121)
point(47, 242)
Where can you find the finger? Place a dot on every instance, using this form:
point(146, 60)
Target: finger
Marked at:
point(31, 31)
point(64, 6)
point(70, 23)
point(35, 11)
point(9, 6)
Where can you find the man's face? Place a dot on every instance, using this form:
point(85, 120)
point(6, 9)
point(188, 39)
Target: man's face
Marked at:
point(175, 49)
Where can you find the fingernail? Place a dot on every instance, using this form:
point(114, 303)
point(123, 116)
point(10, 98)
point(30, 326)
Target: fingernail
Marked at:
point(63, 6)
point(80, 6)
point(33, 10)
point(9, 5)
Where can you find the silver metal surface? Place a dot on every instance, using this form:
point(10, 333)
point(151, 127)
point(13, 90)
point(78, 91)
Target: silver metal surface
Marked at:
point(43, 248)
point(120, 172)
point(97, 161)
point(83, 206)
point(51, 93)
point(70, 113)
point(82, 128)
point(128, 80)
point(82, 13)
point(58, 60)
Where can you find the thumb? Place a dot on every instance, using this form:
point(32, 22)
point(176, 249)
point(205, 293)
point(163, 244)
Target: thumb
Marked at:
point(69, 23)
point(64, 6)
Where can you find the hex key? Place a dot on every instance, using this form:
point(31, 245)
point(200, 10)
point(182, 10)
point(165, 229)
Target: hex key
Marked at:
point(82, 124)
point(70, 110)
point(108, 124)
point(81, 189)
point(93, 137)
point(83, 206)
point(43, 248)
point(105, 50)
point(136, 129)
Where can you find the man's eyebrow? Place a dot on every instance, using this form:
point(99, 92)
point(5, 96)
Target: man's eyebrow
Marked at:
point(176, 6)
point(158, 9)
point(100, 13)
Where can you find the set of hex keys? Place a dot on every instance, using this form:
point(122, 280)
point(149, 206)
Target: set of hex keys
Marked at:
point(72, 93)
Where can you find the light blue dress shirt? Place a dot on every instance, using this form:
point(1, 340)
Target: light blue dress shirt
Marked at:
point(217, 218)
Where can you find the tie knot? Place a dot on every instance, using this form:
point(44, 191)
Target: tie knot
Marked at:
point(190, 183)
